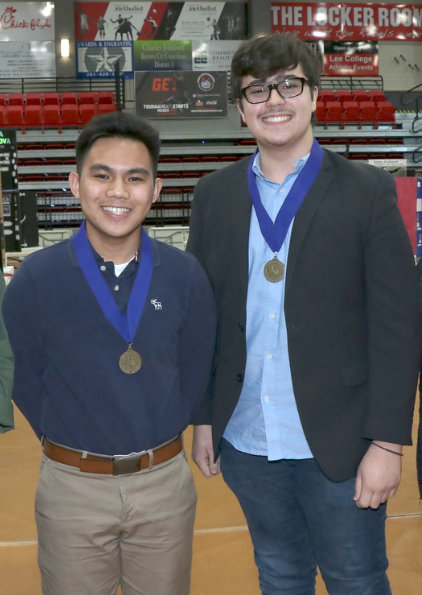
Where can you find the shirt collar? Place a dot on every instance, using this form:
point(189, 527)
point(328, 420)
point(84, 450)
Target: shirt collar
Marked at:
point(256, 167)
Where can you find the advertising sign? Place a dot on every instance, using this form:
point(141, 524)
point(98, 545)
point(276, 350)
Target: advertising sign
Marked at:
point(350, 58)
point(213, 55)
point(32, 59)
point(329, 21)
point(97, 59)
point(166, 95)
point(162, 55)
point(128, 21)
point(27, 21)
point(9, 189)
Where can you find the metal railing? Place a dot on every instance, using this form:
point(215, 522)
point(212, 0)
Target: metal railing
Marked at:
point(417, 100)
point(66, 84)
point(352, 83)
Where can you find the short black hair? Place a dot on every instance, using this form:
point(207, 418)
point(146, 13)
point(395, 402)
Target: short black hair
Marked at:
point(262, 56)
point(118, 125)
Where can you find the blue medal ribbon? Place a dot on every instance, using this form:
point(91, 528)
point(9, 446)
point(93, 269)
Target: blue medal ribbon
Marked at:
point(125, 325)
point(275, 232)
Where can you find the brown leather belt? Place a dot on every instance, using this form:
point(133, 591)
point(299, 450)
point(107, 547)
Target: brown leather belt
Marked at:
point(116, 465)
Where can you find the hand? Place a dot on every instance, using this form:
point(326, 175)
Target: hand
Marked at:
point(203, 452)
point(378, 476)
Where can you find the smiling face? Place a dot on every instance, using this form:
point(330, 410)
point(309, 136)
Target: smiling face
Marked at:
point(279, 124)
point(116, 188)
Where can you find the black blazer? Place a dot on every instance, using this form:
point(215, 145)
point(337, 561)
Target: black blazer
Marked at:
point(353, 323)
point(419, 440)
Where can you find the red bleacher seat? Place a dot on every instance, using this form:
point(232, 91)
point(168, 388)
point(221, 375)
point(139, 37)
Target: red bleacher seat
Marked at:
point(86, 112)
point(376, 95)
point(69, 97)
point(334, 112)
point(351, 111)
point(105, 108)
point(360, 95)
point(51, 98)
point(342, 95)
point(52, 118)
point(16, 99)
point(70, 115)
point(15, 117)
point(34, 116)
point(105, 97)
point(87, 97)
point(321, 111)
point(326, 95)
point(368, 112)
point(33, 99)
point(3, 99)
point(386, 111)
point(3, 116)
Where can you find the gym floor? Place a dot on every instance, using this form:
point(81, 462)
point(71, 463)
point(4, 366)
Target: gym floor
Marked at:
point(223, 558)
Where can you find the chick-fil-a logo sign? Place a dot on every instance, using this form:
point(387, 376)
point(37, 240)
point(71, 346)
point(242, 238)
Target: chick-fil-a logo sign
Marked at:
point(16, 22)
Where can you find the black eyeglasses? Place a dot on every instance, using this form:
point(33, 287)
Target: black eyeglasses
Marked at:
point(287, 89)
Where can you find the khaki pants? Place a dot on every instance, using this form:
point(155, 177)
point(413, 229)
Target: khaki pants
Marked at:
point(96, 532)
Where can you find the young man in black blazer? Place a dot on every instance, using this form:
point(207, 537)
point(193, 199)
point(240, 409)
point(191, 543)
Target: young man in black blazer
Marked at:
point(318, 344)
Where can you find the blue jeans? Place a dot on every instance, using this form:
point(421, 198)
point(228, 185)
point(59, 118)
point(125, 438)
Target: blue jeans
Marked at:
point(300, 520)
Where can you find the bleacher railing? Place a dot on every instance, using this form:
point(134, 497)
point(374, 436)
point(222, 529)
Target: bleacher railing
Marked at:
point(417, 100)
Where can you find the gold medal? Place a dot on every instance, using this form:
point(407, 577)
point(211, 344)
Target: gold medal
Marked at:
point(130, 361)
point(274, 270)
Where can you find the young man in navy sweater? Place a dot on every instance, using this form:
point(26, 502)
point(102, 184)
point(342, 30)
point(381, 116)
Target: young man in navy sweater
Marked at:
point(113, 335)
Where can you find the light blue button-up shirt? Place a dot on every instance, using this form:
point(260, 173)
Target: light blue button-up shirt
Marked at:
point(266, 421)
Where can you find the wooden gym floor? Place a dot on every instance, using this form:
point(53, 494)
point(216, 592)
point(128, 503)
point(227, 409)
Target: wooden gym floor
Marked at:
point(223, 558)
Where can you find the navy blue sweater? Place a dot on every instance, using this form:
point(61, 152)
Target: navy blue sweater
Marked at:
point(68, 383)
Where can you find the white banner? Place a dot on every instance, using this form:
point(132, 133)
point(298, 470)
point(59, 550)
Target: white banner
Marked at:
point(27, 21)
point(98, 58)
point(34, 59)
point(213, 55)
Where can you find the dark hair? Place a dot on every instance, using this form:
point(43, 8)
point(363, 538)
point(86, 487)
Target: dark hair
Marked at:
point(118, 125)
point(263, 56)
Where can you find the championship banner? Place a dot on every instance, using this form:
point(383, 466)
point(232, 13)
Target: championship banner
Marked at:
point(32, 59)
point(326, 21)
point(98, 59)
point(162, 55)
point(350, 58)
point(213, 55)
point(169, 95)
point(27, 21)
point(128, 21)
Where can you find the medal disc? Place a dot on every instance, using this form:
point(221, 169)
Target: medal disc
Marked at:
point(274, 270)
point(130, 361)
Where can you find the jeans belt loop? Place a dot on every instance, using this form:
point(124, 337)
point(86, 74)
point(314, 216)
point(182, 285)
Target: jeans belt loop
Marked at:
point(151, 459)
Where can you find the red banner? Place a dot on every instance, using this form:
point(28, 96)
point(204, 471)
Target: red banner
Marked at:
point(354, 22)
point(350, 58)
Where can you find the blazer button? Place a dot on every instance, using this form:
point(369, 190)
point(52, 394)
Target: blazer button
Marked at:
point(239, 377)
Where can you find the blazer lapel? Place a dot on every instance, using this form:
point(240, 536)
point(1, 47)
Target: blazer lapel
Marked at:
point(305, 215)
point(240, 206)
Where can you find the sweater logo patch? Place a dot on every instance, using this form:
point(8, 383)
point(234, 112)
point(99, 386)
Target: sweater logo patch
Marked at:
point(157, 305)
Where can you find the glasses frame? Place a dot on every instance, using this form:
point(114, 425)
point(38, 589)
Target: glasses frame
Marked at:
point(272, 86)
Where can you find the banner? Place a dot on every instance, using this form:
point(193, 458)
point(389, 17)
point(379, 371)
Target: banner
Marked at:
point(9, 189)
point(128, 21)
point(97, 59)
point(168, 95)
point(213, 55)
point(326, 21)
point(162, 55)
point(27, 21)
point(350, 58)
point(34, 59)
